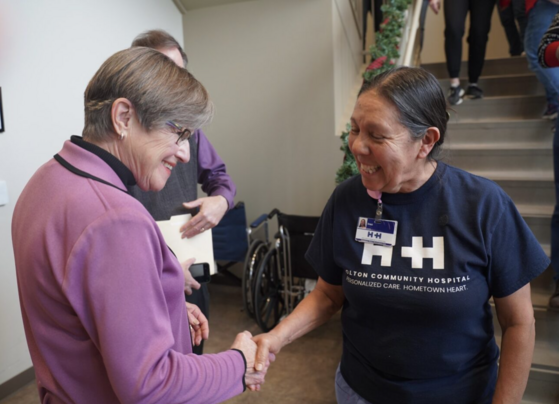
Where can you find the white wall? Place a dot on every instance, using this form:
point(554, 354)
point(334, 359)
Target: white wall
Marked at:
point(48, 52)
point(268, 66)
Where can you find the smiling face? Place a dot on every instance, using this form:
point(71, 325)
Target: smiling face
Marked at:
point(388, 158)
point(151, 156)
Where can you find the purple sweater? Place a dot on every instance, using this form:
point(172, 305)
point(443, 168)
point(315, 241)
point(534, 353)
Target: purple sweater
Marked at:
point(102, 296)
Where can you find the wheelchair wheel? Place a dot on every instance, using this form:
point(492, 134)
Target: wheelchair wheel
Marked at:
point(256, 253)
point(268, 299)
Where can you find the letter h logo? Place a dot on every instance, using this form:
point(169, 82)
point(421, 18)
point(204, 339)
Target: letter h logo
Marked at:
point(417, 252)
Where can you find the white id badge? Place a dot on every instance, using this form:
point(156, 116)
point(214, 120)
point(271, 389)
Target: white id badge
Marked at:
point(379, 232)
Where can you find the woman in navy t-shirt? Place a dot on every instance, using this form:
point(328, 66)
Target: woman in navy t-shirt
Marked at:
point(416, 282)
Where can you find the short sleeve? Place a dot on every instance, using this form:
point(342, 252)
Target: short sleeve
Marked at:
point(515, 255)
point(321, 250)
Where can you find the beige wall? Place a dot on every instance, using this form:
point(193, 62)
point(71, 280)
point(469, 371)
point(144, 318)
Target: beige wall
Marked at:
point(268, 66)
point(433, 48)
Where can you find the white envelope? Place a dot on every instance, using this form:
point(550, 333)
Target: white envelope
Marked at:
point(199, 247)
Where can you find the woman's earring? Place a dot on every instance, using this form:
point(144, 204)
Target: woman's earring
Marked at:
point(122, 136)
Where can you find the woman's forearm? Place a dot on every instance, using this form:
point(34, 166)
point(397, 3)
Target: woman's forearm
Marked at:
point(313, 311)
point(517, 349)
point(317, 308)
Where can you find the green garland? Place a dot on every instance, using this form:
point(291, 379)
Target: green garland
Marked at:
point(383, 55)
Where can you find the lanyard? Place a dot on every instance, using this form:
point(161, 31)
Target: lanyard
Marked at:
point(81, 173)
point(377, 195)
point(84, 174)
point(378, 216)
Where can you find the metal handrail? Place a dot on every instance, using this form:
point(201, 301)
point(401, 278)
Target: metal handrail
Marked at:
point(422, 18)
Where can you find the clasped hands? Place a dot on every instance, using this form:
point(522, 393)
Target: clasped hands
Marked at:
point(259, 354)
point(258, 357)
point(259, 351)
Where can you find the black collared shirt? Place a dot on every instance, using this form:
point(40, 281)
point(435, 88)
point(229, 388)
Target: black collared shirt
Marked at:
point(118, 167)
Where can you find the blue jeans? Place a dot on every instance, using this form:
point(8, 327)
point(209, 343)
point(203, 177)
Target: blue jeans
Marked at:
point(539, 20)
point(344, 393)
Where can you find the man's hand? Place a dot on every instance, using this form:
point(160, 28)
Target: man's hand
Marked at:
point(199, 326)
point(212, 210)
point(253, 378)
point(436, 5)
point(189, 282)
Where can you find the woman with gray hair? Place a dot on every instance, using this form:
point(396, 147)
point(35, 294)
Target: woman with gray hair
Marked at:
point(414, 286)
point(101, 294)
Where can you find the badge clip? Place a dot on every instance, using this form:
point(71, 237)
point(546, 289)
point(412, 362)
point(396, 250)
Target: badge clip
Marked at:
point(378, 216)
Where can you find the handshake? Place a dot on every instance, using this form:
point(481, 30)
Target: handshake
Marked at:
point(260, 352)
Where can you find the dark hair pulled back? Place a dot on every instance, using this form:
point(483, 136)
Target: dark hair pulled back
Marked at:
point(419, 99)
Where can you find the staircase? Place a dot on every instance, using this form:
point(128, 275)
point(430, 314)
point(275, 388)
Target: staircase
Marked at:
point(502, 137)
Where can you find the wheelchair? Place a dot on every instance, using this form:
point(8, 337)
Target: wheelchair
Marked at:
point(256, 252)
point(279, 284)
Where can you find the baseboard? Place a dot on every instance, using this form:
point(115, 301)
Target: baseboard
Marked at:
point(17, 382)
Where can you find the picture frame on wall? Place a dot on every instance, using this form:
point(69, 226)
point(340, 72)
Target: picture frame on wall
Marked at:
point(2, 126)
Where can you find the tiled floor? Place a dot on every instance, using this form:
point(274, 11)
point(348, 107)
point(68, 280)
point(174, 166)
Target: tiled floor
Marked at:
point(302, 373)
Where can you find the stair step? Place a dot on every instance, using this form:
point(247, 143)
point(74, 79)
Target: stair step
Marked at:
point(493, 108)
point(497, 147)
point(541, 289)
point(532, 158)
point(536, 176)
point(519, 84)
point(542, 387)
point(499, 132)
point(530, 192)
point(525, 188)
point(543, 382)
point(535, 210)
point(546, 352)
point(491, 67)
point(540, 226)
point(538, 219)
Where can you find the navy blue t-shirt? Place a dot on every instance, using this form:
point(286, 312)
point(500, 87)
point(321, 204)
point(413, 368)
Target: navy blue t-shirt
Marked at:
point(417, 324)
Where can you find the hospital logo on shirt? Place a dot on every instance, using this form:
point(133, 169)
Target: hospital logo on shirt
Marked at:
point(416, 252)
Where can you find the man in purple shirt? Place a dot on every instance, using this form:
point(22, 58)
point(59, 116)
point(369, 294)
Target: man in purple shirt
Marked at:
point(180, 194)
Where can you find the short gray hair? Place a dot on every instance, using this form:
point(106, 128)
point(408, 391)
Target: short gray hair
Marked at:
point(159, 90)
point(159, 39)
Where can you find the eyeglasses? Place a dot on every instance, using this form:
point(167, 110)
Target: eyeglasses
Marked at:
point(183, 133)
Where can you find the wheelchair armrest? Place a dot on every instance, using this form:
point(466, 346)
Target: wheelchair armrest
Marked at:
point(258, 221)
